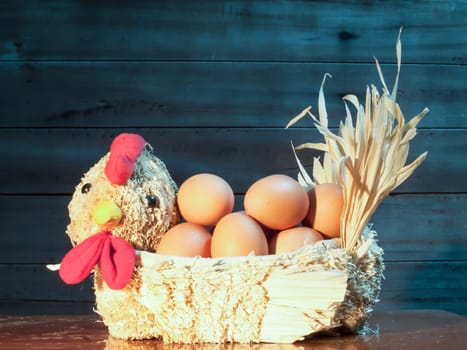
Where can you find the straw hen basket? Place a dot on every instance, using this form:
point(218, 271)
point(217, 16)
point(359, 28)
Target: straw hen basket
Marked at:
point(332, 285)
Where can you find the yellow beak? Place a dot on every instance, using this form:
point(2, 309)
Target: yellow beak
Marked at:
point(107, 214)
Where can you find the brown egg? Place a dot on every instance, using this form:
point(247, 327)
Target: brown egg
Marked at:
point(326, 205)
point(238, 234)
point(204, 199)
point(277, 201)
point(268, 232)
point(186, 239)
point(293, 238)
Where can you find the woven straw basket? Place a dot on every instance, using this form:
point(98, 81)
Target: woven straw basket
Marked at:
point(274, 298)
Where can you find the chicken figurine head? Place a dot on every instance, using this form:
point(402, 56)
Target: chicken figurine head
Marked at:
point(125, 202)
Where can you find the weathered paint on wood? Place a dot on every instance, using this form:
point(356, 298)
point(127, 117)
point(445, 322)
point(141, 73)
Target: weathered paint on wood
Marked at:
point(45, 307)
point(211, 85)
point(33, 229)
point(425, 285)
point(213, 94)
point(422, 227)
point(36, 282)
point(411, 227)
point(407, 285)
point(53, 160)
point(336, 31)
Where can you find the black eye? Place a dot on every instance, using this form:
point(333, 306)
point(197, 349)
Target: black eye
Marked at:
point(86, 188)
point(153, 201)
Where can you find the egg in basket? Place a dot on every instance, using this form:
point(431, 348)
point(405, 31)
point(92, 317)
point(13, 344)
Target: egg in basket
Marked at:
point(125, 222)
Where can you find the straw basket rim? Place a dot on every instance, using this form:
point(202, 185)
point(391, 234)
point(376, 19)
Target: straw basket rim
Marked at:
point(144, 258)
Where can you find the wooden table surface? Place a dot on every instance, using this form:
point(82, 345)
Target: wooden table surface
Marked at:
point(415, 329)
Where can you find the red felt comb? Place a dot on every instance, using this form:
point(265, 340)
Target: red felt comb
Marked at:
point(124, 150)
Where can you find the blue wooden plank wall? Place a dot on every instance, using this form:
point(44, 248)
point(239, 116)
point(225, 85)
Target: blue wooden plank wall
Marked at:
point(211, 85)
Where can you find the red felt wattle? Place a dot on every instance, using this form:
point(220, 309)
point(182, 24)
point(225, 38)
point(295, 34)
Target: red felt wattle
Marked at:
point(124, 151)
point(78, 263)
point(115, 256)
point(117, 262)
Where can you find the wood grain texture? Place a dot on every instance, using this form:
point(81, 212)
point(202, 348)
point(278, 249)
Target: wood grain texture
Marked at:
point(408, 285)
point(45, 307)
point(334, 31)
point(422, 285)
point(396, 329)
point(411, 227)
point(211, 84)
point(33, 229)
point(213, 94)
point(53, 160)
point(35, 282)
point(422, 227)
